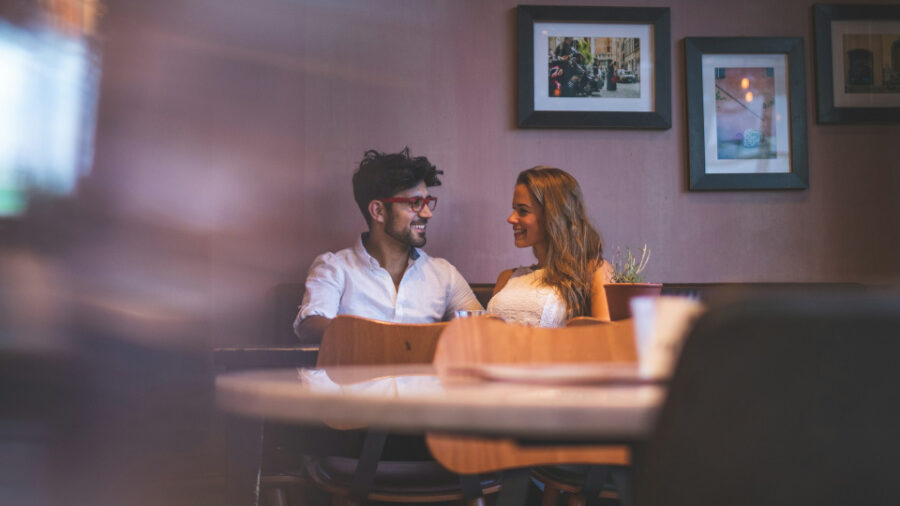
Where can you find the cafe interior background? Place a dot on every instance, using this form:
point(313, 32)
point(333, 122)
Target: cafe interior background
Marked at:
point(206, 148)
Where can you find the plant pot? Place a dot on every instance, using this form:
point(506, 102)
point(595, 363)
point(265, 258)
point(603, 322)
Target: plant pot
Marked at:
point(618, 296)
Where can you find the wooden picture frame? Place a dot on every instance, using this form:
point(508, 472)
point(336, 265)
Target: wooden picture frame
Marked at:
point(857, 63)
point(566, 72)
point(746, 111)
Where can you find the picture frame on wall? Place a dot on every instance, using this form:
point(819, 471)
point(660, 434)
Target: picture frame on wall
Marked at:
point(857, 63)
point(594, 67)
point(746, 111)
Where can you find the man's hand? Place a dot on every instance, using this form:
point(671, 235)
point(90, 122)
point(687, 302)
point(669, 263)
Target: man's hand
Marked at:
point(311, 329)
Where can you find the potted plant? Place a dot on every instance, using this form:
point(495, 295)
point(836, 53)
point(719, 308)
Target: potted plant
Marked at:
point(628, 282)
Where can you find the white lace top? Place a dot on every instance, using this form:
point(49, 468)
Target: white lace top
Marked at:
point(525, 300)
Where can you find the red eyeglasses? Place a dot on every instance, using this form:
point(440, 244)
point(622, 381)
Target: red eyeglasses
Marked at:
point(415, 203)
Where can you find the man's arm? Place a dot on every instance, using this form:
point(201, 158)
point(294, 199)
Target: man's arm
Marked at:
point(311, 329)
point(320, 299)
point(461, 295)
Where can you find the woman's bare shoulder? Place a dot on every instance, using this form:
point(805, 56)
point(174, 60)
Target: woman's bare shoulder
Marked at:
point(502, 279)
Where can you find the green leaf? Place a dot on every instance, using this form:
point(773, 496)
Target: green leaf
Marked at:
point(628, 268)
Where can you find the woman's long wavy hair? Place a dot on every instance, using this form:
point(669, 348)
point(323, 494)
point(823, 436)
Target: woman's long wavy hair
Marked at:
point(574, 249)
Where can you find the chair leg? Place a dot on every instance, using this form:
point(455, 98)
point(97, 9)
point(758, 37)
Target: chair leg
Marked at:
point(276, 497)
point(515, 487)
point(367, 465)
point(244, 448)
point(577, 500)
point(470, 486)
point(623, 486)
point(551, 495)
point(593, 483)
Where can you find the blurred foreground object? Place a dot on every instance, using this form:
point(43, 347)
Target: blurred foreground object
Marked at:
point(48, 98)
point(114, 423)
point(782, 401)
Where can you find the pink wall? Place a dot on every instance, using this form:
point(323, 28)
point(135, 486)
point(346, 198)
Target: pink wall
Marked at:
point(237, 125)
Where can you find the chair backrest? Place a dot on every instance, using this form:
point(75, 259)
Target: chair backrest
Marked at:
point(483, 340)
point(585, 320)
point(469, 341)
point(351, 340)
point(782, 401)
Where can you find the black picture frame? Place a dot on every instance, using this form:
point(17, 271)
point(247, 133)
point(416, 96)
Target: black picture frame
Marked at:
point(836, 106)
point(655, 111)
point(724, 164)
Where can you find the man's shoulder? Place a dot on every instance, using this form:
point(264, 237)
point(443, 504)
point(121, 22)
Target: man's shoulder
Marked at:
point(436, 263)
point(348, 252)
point(341, 257)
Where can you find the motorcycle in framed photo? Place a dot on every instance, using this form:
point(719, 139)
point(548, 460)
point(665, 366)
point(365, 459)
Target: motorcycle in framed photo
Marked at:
point(594, 67)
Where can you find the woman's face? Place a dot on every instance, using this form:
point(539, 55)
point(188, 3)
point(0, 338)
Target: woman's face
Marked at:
point(527, 219)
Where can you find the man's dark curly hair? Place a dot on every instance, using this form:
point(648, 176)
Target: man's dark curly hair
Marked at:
point(381, 175)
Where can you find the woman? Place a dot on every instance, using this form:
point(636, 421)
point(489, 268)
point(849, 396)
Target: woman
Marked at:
point(611, 77)
point(567, 281)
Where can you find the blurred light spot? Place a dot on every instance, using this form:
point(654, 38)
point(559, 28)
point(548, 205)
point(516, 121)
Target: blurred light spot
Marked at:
point(48, 93)
point(745, 83)
point(749, 96)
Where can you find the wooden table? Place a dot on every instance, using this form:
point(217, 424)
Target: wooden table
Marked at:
point(414, 398)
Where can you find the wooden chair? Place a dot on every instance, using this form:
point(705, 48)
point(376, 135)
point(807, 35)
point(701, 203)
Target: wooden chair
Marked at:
point(585, 320)
point(571, 479)
point(482, 341)
point(790, 400)
point(351, 340)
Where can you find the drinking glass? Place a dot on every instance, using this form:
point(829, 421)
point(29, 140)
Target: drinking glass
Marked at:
point(468, 313)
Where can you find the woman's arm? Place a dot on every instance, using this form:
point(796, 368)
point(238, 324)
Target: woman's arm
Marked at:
point(599, 307)
point(501, 281)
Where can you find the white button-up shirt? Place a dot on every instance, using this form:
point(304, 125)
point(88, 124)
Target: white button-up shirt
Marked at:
point(351, 281)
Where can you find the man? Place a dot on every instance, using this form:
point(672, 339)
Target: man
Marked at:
point(386, 276)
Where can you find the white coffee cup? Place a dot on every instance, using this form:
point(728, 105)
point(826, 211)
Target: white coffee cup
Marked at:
point(660, 326)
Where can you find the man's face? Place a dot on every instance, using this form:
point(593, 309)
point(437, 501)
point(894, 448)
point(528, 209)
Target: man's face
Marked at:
point(404, 224)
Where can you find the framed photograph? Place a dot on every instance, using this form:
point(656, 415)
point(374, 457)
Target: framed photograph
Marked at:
point(746, 103)
point(858, 63)
point(594, 67)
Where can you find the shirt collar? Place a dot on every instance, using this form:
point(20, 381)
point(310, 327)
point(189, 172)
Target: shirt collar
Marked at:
point(414, 253)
